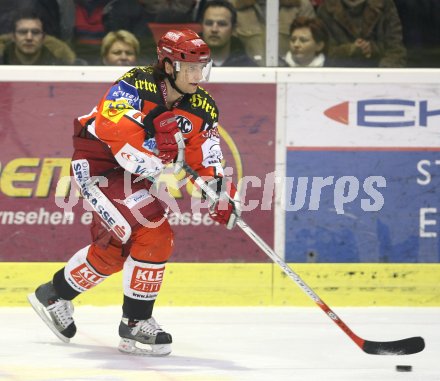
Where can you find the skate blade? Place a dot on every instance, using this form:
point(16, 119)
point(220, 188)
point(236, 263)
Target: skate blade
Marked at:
point(40, 310)
point(132, 347)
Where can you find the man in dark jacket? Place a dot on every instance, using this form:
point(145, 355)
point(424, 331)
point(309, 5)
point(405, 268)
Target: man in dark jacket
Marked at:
point(27, 44)
point(219, 19)
point(363, 33)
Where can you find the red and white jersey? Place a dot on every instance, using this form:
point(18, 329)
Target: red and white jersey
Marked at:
point(117, 122)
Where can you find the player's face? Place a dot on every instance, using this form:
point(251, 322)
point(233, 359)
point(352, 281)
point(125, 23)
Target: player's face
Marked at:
point(120, 54)
point(28, 36)
point(190, 74)
point(303, 46)
point(217, 27)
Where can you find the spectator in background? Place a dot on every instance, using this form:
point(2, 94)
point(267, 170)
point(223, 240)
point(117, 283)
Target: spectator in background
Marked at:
point(27, 44)
point(289, 11)
point(308, 43)
point(363, 33)
point(88, 29)
point(120, 48)
point(421, 31)
point(48, 10)
point(219, 19)
point(134, 16)
point(251, 29)
point(316, 3)
point(176, 12)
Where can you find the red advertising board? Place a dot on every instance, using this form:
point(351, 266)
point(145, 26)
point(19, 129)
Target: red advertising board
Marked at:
point(35, 141)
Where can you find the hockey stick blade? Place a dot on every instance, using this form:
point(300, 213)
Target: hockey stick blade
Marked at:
point(399, 347)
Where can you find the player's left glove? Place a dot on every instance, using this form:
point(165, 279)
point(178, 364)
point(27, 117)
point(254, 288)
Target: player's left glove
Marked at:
point(225, 209)
point(161, 124)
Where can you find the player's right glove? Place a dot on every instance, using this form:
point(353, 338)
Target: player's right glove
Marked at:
point(161, 124)
point(226, 208)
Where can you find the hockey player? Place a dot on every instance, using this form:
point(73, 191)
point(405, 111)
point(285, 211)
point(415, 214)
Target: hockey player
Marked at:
point(128, 138)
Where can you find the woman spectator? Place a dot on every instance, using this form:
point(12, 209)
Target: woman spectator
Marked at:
point(120, 48)
point(288, 12)
point(308, 44)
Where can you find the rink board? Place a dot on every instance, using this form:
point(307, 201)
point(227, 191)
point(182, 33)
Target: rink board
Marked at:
point(42, 219)
point(252, 284)
point(362, 169)
point(377, 206)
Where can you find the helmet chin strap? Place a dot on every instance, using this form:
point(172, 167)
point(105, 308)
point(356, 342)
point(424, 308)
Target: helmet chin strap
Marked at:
point(172, 79)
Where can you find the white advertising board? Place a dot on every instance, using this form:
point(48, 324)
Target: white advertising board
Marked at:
point(362, 115)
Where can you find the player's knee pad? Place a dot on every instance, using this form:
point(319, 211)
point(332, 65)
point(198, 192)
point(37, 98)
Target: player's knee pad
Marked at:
point(80, 274)
point(142, 280)
point(145, 267)
point(152, 245)
point(108, 260)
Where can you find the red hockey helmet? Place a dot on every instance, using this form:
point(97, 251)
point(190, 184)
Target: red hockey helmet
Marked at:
point(183, 46)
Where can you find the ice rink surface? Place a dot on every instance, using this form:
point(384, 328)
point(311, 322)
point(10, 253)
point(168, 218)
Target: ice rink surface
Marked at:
point(220, 344)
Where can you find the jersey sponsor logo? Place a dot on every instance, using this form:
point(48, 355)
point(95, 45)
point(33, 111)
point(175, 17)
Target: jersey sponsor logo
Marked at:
point(107, 211)
point(132, 157)
point(115, 110)
point(147, 279)
point(200, 101)
point(150, 145)
point(383, 113)
point(135, 116)
point(81, 170)
point(104, 214)
point(124, 91)
point(136, 198)
point(212, 153)
point(211, 134)
point(85, 277)
point(184, 124)
point(149, 173)
point(143, 84)
point(138, 162)
point(119, 231)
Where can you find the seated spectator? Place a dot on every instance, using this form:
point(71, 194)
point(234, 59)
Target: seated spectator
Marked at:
point(308, 44)
point(176, 11)
point(120, 48)
point(48, 10)
point(251, 29)
point(134, 16)
point(421, 32)
point(89, 29)
point(363, 33)
point(316, 3)
point(289, 11)
point(219, 19)
point(27, 44)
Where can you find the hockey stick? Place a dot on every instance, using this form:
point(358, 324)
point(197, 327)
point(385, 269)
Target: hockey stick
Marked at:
point(399, 347)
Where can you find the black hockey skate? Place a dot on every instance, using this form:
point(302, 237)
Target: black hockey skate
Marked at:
point(143, 337)
point(54, 311)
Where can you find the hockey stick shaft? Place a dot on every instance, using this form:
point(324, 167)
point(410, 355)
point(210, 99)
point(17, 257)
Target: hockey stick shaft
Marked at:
point(297, 279)
point(399, 347)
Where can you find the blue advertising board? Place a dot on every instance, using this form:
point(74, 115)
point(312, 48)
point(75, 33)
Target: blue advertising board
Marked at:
point(362, 205)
